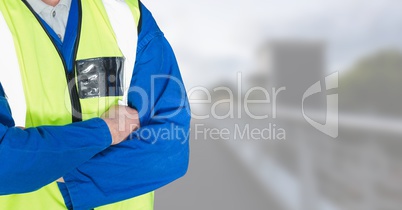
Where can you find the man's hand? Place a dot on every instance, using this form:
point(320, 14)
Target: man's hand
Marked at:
point(121, 120)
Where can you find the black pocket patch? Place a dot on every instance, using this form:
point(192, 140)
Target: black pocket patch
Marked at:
point(100, 77)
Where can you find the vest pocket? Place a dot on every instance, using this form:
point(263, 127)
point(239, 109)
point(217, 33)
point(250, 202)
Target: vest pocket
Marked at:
point(100, 77)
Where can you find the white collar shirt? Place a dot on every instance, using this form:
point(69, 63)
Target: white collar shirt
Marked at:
point(56, 17)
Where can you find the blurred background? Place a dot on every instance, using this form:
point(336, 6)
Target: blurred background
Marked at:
point(295, 104)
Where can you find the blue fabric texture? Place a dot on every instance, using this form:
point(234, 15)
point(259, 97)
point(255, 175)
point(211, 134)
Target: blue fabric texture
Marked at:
point(35, 157)
point(5, 111)
point(64, 192)
point(95, 173)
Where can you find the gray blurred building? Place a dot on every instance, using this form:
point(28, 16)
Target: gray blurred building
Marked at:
point(297, 65)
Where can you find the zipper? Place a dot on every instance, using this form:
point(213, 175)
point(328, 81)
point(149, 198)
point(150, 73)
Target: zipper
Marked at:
point(75, 99)
point(70, 76)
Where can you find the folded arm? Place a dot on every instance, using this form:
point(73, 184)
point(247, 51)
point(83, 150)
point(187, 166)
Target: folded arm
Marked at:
point(157, 153)
point(34, 157)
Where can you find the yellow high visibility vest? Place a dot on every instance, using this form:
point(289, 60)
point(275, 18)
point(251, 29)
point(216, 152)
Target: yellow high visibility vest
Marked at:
point(50, 95)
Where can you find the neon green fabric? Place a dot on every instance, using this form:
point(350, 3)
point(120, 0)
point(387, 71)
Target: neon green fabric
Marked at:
point(97, 40)
point(46, 90)
point(43, 95)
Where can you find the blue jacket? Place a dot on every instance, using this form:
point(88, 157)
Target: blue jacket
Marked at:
point(95, 173)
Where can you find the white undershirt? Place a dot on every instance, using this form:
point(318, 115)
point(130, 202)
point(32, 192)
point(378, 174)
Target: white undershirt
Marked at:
point(56, 17)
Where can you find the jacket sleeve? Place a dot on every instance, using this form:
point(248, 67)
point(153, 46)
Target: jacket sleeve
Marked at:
point(34, 157)
point(158, 152)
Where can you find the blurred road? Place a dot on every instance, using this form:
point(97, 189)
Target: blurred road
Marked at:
point(215, 180)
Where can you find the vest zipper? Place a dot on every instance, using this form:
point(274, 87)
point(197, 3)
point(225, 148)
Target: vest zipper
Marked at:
point(70, 76)
point(75, 99)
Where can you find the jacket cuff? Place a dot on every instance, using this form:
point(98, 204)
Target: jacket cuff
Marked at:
point(105, 130)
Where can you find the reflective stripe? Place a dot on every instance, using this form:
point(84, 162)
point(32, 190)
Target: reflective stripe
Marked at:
point(10, 76)
point(120, 16)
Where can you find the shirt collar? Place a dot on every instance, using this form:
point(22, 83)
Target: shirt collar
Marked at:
point(38, 6)
point(66, 3)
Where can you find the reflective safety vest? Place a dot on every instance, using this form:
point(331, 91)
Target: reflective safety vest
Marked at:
point(42, 91)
